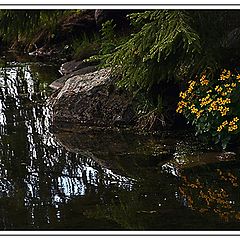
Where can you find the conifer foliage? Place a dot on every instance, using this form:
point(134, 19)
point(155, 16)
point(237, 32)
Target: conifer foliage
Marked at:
point(165, 45)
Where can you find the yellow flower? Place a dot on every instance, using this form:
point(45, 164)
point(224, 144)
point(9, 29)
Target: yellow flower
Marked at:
point(214, 105)
point(224, 111)
point(232, 128)
point(204, 82)
point(220, 128)
point(236, 119)
point(224, 123)
point(227, 100)
point(198, 114)
point(181, 105)
point(233, 122)
point(218, 89)
point(229, 90)
point(183, 95)
point(194, 110)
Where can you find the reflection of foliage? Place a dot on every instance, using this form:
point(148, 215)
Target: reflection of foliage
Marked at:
point(44, 74)
point(37, 175)
point(124, 211)
point(217, 199)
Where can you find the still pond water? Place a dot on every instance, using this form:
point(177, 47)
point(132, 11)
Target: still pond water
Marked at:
point(66, 180)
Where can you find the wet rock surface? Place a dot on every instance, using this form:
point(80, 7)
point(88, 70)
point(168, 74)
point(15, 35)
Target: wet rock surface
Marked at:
point(92, 100)
point(59, 83)
point(74, 65)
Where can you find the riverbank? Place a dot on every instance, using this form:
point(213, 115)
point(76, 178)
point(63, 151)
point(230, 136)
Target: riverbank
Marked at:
point(151, 62)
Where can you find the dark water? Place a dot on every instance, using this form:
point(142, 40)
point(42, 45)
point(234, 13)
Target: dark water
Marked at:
point(90, 179)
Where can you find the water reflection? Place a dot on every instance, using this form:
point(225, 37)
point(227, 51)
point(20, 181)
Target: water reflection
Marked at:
point(35, 171)
point(91, 180)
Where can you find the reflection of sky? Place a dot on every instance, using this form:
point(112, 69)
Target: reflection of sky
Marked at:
point(25, 142)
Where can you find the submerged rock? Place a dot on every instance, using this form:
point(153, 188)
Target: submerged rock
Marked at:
point(92, 100)
point(120, 151)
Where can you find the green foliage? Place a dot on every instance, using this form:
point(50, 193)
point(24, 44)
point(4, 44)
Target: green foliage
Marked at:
point(109, 41)
point(84, 46)
point(211, 104)
point(109, 38)
point(22, 23)
point(165, 45)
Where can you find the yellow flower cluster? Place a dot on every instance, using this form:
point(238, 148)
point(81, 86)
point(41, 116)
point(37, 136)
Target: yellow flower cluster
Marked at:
point(231, 125)
point(218, 88)
point(205, 101)
point(181, 105)
point(191, 86)
point(226, 74)
point(203, 80)
point(223, 110)
point(198, 114)
point(228, 89)
point(195, 111)
point(213, 106)
point(193, 108)
point(222, 101)
point(209, 99)
point(183, 95)
point(220, 128)
point(218, 105)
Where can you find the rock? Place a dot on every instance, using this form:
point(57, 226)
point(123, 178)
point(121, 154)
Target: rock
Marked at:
point(227, 156)
point(71, 69)
point(82, 22)
point(92, 100)
point(74, 65)
point(59, 83)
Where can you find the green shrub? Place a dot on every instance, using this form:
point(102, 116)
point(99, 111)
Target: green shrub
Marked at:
point(212, 105)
